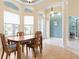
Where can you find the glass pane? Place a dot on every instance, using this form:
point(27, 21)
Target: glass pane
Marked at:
point(28, 29)
point(11, 23)
point(28, 25)
point(29, 20)
point(11, 18)
point(8, 29)
point(16, 29)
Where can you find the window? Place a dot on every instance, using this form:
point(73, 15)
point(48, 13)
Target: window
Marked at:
point(11, 23)
point(28, 25)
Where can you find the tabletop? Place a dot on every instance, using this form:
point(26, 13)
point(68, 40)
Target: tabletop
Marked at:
point(20, 38)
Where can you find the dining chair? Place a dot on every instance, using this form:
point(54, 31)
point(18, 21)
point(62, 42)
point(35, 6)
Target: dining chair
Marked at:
point(8, 49)
point(36, 43)
point(20, 33)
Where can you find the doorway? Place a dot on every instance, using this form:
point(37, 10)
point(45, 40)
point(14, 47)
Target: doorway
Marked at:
point(74, 32)
point(56, 25)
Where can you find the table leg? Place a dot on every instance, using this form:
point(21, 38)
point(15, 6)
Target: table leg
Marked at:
point(41, 46)
point(18, 51)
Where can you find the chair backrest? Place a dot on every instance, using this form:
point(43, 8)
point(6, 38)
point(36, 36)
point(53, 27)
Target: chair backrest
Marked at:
point(3, 40)
point(20, 33)
point(38, 40)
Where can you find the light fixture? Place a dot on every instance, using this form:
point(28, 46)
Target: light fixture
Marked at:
point(52, 12)
point(29, 1)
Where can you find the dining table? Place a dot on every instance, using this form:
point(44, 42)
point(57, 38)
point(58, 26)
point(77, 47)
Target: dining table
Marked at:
point(18, 40)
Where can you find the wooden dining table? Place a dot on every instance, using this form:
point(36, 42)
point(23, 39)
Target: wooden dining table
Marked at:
point(18, 40)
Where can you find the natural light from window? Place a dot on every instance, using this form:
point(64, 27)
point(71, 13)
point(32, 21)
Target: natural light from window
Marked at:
point(11, 23)
point(28, 25)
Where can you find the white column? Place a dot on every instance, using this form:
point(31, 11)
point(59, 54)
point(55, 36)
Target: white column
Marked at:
point(21, 27)
point(1, 19)
point(47, 22)
point(66, 24)
point(36, 23)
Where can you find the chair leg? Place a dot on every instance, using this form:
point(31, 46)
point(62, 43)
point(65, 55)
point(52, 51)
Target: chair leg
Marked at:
point(34, 52)
point(40, 49)
point(27, 49)
point(9, 56)
point(6, 56)
point(2, 54)
point(15, 53)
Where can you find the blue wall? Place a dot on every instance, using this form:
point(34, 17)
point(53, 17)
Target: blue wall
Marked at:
point(56, 30)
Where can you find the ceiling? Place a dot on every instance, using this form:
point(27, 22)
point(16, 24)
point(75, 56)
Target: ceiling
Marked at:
point(33, 7)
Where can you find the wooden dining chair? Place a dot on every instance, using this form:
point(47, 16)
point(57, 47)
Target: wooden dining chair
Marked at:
point(20, 33)
point(38, 40)
point(8, 49)
point(36, 43)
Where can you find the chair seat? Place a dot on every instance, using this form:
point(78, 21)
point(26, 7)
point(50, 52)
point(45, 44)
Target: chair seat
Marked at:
point(11, 47)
